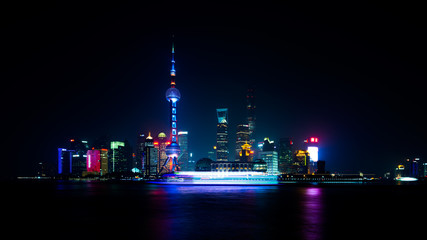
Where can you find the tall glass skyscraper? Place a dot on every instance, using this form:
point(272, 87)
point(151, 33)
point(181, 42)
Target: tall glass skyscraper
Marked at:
point(250, 108)
point(150, 158)
point(116, 155)
point(242, 137)
point(270, 156)
point(183, 161)
point(285, 155)
point(222, 135)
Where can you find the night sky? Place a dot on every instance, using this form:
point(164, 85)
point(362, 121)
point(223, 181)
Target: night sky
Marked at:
point(351, 75)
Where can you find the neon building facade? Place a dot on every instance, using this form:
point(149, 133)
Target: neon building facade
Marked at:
point(93, 161)
point(65, 161)
point(172, 96)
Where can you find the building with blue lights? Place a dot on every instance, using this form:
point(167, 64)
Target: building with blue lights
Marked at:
point(72, 160)
point(184, 160)
point(270, 156)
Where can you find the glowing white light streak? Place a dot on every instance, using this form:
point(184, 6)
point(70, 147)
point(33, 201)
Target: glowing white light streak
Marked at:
point(407, 179)
point(314, 153)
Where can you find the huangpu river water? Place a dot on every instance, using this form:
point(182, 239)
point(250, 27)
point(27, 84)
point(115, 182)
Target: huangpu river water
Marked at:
point(132, 210)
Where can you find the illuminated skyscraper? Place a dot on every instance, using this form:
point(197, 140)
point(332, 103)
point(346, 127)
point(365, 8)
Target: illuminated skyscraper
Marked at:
point(64, 161)
point(115, 155)
point(80, 148)
point(183, 161)
point(93, 163)
point(313, 150)
point(242, 137)
point(150, 158)
point(172, 96)
point(120, 160)
point(104, 161)
point(300, 162)
point(161, 143)
point(285, 155)
point(72, 160)
point(246, 154)
point(250, 108)
point(222, 135)
point(270, 156)
point(97, 161)
point(140, 145)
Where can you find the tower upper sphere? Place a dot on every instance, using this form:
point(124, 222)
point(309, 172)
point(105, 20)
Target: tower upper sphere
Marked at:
point(173, 94)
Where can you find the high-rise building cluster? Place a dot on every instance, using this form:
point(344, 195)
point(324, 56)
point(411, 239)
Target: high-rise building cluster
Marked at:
point(153, 156)
point(168, 151)
point(411, 169)
point(281, 158)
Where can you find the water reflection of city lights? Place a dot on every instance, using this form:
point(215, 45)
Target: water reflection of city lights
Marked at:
point(312, 213)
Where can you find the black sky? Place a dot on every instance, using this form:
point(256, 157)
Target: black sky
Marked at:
point(352, 75)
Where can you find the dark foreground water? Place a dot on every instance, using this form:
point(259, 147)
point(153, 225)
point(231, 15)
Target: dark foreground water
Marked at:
point(95, 210)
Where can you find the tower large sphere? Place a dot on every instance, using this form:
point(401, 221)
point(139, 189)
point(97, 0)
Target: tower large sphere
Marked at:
point(173, 94)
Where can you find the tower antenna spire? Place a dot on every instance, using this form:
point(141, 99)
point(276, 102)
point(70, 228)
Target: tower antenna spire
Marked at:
point(173, 72)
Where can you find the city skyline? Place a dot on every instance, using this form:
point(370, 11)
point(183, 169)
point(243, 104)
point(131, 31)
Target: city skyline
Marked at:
point(334, 83)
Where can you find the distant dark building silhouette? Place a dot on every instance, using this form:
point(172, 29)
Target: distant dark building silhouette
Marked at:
point(140, 145)
point(412, 168)
point(203, 164)
point(321, 167)
point(285, 155)
point(268, 145)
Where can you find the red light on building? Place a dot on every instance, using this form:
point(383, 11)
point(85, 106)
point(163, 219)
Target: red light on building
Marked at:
point(168, 143)
point(156, 143)
point(72, 140)
point(314, 140)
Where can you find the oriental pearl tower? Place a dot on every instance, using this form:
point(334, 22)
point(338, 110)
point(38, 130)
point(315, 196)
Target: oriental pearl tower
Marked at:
point(172, 96)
